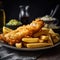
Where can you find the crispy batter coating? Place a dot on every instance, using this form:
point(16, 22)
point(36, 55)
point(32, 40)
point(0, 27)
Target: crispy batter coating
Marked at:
point(15, 36)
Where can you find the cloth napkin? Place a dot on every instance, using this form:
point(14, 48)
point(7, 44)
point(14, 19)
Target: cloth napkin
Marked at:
point(10, 54)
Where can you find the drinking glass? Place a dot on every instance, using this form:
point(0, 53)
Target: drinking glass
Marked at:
point(23, 14)
point(2, 18)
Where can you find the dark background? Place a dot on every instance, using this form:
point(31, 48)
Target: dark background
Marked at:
point(37, 8)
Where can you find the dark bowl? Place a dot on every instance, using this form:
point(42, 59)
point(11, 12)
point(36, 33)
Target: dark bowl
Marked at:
point(12, 26)
point(56, 22)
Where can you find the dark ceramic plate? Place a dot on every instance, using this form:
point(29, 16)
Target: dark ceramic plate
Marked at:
point(30, 49)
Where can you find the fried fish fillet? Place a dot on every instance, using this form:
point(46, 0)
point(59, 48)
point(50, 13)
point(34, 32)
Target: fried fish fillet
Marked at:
point(15, 36)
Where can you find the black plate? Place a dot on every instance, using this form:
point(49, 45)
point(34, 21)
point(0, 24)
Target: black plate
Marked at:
point(30, 49)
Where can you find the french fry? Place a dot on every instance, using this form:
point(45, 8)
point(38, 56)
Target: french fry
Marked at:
point(38, 45)
point(41, 41)
point(54, 36)
point(44, 37)
point(6, 30)
point(50, 39)
point(55, 39)
point(18, 45)
point(30, 40)
point(44, 31)
point(51, 31)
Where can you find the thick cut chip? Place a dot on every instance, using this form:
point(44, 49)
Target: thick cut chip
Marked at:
point(30, 40)
point(37, 45)
point(44, 37)
point(18, 45)
point(55, 36)
point(43, 31)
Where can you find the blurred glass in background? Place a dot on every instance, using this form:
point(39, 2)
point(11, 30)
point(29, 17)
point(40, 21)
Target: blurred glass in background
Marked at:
point(2, 16)
point(23, 14)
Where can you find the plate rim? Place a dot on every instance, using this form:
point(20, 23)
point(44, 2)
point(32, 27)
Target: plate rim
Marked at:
point(30, 49)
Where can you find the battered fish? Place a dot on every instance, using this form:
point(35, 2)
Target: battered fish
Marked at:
point(15, 36)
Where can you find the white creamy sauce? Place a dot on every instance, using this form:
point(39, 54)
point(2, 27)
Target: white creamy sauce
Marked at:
point(48, 18)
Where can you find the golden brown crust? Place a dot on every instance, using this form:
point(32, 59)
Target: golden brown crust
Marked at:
point(15, 36)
